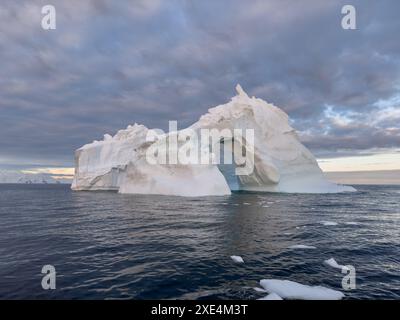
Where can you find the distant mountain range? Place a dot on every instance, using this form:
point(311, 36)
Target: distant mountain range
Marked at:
point(10, 176)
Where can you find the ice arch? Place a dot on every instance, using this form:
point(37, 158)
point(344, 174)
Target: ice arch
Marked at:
point(244, 169)
point(281, 162)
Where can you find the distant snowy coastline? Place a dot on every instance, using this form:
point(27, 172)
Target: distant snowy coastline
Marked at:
point(13, 176)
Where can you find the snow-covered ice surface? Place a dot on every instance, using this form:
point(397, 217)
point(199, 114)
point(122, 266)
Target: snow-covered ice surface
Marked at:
point(281, 162)
point(287, 289)
point(301, 246)
point(237, 259)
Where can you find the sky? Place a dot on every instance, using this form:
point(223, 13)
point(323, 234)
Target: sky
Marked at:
point(109, 64)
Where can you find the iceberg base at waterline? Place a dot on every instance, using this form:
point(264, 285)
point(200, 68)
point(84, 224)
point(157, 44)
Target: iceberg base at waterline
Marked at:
point(279, 162)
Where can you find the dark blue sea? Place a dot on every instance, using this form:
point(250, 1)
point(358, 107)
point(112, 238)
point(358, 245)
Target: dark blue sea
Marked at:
point(104, 245)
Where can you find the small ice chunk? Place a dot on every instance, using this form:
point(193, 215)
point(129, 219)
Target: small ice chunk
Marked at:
point(329, 223)
point(271, 296)
point(237, 259)
point(259, 289)
point(351, 223)
point(246, 203)
point(293, 290)
point(332, 263)
point(301, 246)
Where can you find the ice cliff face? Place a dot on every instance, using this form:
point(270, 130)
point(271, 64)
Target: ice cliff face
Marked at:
point(280, 163)
point(101, 165)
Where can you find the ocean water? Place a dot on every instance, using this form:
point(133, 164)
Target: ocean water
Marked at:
point(110, 246)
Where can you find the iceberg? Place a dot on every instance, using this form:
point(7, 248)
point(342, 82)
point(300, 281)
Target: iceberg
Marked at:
point(280, 163)
point(287, 289)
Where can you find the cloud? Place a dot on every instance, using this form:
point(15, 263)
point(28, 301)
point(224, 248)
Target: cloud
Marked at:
point(340, 129)
point(112, 63)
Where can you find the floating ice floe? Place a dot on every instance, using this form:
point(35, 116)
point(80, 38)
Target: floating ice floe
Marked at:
point(287, 289)
point(332, 263)
point(237, 259)
point(259, 289)
point(271, 296)
point(329, 223)
point(301, 246)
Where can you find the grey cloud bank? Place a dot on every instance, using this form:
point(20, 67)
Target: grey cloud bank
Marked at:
point(109, 64)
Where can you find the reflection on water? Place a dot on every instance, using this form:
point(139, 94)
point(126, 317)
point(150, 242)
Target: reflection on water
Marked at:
point(107, 245)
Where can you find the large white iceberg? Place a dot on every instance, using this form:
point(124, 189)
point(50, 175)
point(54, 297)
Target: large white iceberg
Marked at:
point(280, 162)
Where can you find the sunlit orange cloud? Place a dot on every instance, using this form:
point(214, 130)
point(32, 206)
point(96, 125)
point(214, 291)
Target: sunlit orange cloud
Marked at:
point(55, 171)
point(376, 162)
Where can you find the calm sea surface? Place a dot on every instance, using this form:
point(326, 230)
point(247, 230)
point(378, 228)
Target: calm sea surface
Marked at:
point(107, 245)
